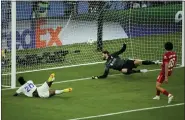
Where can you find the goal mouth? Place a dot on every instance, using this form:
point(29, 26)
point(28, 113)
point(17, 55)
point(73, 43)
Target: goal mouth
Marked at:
point(58, 34)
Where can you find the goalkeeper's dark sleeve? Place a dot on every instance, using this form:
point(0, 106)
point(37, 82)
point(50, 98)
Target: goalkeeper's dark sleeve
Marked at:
point(106, 72)
point(120, 51)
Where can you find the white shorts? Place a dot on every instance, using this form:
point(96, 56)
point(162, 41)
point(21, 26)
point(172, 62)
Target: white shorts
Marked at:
point(43, 91)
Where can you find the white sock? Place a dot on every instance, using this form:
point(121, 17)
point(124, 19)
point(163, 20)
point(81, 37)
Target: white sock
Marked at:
point(58, 92)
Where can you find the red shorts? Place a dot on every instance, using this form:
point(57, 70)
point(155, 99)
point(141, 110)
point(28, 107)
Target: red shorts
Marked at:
point(161, 77)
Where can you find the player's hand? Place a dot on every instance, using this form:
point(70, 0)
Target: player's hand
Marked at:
point(166, 80)
point(94, 77)
point(15, 94)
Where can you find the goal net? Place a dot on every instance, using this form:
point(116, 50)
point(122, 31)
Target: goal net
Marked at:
point(59, 34)
point(5, 54)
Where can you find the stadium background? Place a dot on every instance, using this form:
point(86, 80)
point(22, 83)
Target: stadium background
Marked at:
point(146, 28)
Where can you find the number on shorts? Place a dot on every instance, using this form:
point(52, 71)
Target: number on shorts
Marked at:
point(171, 63)
point(29, 87)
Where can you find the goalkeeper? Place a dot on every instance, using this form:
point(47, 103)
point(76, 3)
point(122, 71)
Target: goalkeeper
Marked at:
point(113, 61)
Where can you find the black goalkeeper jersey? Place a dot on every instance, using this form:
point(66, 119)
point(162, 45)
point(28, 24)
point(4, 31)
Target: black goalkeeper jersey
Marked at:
point(114, 62)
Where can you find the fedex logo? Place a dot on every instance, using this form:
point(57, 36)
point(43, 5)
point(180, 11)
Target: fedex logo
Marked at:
point(31, 38)
point(21, 38)
point(54, 35)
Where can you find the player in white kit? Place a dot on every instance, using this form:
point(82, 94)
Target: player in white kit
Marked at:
point(30, 90)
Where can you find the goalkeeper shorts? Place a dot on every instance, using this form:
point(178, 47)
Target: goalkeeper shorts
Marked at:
point(129, 64)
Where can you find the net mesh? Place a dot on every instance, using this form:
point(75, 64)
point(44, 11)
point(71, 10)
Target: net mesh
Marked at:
point(60, 33)
point(5, 34)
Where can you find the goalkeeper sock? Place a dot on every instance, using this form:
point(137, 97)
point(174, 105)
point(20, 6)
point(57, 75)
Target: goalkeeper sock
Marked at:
point(58, 92)
point(147, 62)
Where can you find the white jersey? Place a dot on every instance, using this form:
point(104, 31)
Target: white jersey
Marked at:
point(27, 89)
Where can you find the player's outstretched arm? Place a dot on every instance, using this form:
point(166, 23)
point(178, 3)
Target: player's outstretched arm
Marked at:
point(18, 91)
point(120, 51)
point(106, 72)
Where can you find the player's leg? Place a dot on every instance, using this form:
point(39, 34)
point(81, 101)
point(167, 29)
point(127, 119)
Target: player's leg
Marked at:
point(157, 97)
point(127, 71)
point(158, 92)
point(162, 90)
point(43, 90)
point(128, 68)
point(50, 79)
point(144, 62)
point(159, 89)
point(57, 92)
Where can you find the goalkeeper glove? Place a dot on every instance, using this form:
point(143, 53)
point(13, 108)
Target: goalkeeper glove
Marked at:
point(94, 77)
point(124, 45)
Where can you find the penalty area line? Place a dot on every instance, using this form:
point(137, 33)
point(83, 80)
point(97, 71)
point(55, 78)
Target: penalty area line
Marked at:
point(127, 111)
point(82, 79)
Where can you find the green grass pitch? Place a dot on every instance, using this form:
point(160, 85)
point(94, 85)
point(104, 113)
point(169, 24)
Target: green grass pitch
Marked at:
point(95, 97)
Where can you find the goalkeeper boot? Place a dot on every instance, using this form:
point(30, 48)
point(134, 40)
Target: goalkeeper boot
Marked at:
point(157, 62)
point(156, 97)
point(67, 90)
point(51, 77)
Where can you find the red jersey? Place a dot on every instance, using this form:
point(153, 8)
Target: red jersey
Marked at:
point(169, 57)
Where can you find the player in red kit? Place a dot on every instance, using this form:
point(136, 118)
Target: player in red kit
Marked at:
point(169, 62)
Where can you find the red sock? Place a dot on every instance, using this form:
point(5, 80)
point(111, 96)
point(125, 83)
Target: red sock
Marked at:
point(158, 92)
point(165, 93)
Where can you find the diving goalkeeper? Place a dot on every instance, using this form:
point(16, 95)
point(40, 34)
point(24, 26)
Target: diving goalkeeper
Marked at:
point(113, 61)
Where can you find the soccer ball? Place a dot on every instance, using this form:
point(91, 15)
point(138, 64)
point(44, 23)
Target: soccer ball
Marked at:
point(90, 42)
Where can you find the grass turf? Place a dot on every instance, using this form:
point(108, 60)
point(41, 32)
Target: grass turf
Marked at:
point(93, 97)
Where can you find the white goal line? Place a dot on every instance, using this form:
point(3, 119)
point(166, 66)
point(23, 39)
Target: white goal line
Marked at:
point(82, 79)
point(54, 68)
point(5, 86)
point(127, 111)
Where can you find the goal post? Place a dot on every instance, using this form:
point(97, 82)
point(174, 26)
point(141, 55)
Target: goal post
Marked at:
point(13, 44)
point(183, 30)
